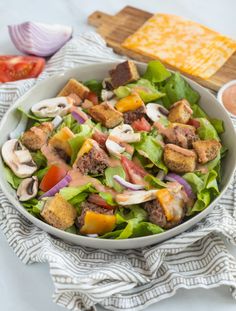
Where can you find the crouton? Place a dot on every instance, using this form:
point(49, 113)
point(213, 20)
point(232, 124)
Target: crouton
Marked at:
point(180, 112)
point(106, 114)
point(77, 101)
point(60, 143)
point(179, 134)
point(178, 159)
point(58, 212)
point(124, 73)
point(37, 136)
point(74, 87)
point(206, 150)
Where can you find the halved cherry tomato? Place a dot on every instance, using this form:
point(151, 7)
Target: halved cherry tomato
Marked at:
point(92, 97)
point(20, 67)
point(96, 199)
point(141, 125)
point(135, 172)
point(194, 123)
point(52, 177)
point(100, 138)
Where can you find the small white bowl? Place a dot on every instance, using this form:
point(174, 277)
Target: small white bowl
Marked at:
point(220, 95)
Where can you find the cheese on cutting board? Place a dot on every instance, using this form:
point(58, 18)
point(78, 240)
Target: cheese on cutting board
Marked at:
point(186, 45)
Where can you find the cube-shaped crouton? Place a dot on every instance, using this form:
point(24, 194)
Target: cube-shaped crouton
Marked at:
point(106, 114)
point(178, 159)
point(206, 150)
point(58, 212)
point(74, 87)
point(124, 73)
point(180, 112)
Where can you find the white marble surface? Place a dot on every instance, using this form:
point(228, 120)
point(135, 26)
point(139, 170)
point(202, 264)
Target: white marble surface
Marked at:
point(29, 288)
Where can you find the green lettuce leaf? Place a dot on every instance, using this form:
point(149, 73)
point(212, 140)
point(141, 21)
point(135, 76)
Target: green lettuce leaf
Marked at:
point(206, 130)
point(143, 87)
point(33, 117)
point(218, 125)
point(108, 198)
point(39, 159)
point(109, 180)
point(77, 141)
point(149, 148)
point(146, 228)
point(11, 178)
point(205, 187)
point(76, 195)
point(156, 72)
point(176, 88)
point(94, 86)
point(131, 218)
point(72, 229)
point(40, 173)
point(133, 223)
point(154, 182)
point(34, 206)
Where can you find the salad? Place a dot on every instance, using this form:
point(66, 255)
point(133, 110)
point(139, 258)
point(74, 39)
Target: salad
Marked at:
point(125, 157)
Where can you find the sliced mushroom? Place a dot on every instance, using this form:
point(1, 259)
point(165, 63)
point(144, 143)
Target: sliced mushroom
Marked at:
point(52, 107)
point(18, 158)
point(106, 84)
point(135, 197)
point(114, 148)
point(125, 133)
point(156, 111)
point(27, 189)
point(106, 95)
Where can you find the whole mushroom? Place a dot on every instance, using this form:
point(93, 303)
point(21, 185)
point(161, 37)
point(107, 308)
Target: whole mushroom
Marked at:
point(27, 189)
point(18, 158)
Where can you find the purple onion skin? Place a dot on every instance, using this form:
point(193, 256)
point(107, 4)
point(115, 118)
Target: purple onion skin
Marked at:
point(127, 184)
point(61, 184)
point(183, 182)
point(77, 117)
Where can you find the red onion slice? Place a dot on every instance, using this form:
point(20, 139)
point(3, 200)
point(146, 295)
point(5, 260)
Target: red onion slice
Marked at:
point(183, 182)
point(61, 184)
point(39, 39)
point(127, 184)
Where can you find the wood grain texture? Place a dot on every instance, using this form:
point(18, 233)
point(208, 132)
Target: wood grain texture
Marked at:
point(115, 29)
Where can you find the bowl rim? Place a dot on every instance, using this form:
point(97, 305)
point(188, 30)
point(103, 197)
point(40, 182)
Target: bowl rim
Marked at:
point(67, 235)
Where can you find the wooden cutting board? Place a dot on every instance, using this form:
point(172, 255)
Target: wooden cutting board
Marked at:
point(115, 29)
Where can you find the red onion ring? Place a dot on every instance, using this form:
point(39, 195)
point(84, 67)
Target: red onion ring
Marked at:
point(61, 184)
point(127, 184)
point(183, 182)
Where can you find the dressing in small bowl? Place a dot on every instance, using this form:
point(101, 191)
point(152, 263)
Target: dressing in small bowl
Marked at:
point(227, 97)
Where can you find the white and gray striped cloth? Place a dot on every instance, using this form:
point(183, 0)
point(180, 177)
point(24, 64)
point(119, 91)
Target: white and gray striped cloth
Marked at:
point(120, 280)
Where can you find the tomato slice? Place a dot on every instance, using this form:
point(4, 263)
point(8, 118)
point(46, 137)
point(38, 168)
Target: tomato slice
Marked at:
point(92, 97)
point(134, 172)
point(96, 199)
point(52, 177)
point(141, 125)
point(14, 68)
point(194, 123)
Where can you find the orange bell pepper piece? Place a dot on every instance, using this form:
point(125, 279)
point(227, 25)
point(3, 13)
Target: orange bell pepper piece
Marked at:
point(166, 201)
point(95, 223)
point(131, 102)
point(60, 140)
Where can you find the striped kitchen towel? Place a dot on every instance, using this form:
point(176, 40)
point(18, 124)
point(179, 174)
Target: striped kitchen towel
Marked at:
point(120, 280)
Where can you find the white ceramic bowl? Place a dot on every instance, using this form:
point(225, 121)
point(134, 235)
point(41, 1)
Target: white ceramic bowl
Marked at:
point(49, 88)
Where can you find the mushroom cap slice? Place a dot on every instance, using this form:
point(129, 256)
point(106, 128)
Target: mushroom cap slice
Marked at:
point(27, 189)
point(125, 133)
point(52, 107)
point(156, 111)
point(18, 158)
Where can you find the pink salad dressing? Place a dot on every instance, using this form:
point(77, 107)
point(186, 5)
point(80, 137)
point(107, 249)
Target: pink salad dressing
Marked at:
point(229, 99)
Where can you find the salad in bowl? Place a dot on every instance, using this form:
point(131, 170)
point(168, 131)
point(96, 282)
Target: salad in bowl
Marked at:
point(124, 157)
